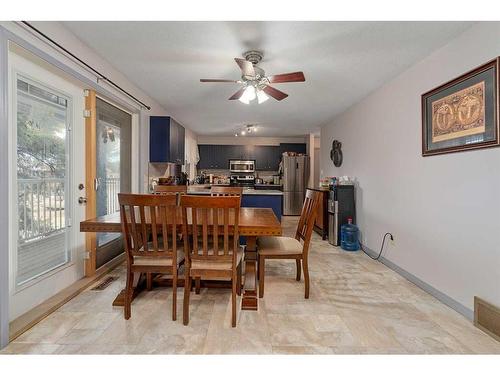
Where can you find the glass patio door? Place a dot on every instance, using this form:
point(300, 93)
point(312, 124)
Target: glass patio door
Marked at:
point(113, 171)
point(43, 157)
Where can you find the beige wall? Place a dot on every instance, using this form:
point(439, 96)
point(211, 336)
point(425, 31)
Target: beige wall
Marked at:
point(443, 210)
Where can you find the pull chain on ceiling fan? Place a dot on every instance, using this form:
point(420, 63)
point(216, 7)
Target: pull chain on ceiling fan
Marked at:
point(255, 83)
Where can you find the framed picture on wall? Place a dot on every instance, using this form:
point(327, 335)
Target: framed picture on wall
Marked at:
point(463, 113)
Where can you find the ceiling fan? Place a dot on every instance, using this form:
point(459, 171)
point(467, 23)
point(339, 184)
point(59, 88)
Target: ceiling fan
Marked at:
point(255, 82)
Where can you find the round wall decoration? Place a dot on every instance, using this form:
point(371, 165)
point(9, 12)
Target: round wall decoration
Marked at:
point(336, 153)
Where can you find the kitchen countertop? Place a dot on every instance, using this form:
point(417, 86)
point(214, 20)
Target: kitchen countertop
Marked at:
point(203, 189)
point(319, 189)
point(270, 185)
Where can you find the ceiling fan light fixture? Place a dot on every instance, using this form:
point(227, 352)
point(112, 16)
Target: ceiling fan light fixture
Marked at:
point(248, 95)
point(261, 96)
point(244, 99)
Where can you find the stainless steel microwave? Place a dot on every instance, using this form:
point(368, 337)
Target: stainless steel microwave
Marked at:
point(247, 166)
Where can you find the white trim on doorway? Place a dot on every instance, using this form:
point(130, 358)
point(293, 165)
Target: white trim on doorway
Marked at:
point(7, 36)
point(4, 188)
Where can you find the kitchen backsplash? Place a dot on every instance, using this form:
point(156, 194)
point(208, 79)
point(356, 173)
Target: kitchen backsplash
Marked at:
point(223, 174)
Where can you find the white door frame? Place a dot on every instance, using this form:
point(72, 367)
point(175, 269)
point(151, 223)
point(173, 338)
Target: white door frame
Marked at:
point(34, 292)
point(4, 189)
point(58, 60)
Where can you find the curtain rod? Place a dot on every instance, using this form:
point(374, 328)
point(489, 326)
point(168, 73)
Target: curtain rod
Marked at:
point(99, 74)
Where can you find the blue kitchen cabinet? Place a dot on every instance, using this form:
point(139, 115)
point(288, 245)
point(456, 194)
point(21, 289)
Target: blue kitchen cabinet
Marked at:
point(264, 201)
point(166, 140)
point(267, 158)
point(299, 148)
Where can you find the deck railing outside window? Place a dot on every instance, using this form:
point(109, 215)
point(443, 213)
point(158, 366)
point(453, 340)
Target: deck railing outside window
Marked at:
point(112, 185)
point(41, 207)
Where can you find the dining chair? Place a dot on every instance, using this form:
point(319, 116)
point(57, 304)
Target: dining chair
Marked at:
point(279, 247)
point(149, 226)
point(213, 250)
point(220, 191)
point(176, 190)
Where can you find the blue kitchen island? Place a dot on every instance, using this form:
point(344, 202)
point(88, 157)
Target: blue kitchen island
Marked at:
point(251, 198)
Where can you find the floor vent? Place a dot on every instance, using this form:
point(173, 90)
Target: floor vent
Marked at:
point(487, 317)
point(105, 283)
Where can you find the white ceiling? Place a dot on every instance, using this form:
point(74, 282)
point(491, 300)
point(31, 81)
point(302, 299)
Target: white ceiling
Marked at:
point(342, 63)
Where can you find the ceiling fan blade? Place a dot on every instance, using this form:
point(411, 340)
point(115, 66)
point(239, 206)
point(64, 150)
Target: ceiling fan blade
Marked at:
point(237, 94)
point(287, 77)
point(276, 94)
point(246, 67)
point(218, 80)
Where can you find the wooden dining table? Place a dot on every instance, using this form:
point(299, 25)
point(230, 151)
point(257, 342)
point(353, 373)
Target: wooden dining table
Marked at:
point(253, 222)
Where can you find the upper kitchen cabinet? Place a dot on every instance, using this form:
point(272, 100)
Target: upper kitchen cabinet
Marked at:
point(268, 158)
point(299, 148)
point(214, 156)
point(166, 140)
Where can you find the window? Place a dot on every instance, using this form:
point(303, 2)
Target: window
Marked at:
point(42, 117)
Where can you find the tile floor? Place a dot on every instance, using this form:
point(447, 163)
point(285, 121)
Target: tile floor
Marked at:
point(356, 306)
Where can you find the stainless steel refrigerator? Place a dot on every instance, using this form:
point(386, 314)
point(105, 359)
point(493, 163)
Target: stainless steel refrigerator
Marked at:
point(295, 176)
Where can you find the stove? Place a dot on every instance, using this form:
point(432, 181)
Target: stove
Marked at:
point(242, 180)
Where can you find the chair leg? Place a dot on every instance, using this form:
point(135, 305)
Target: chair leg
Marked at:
point(306, 277)
point(258, 266)
point(127, 310)
point(187, 290)
point(298, 269)
point(233, 301)
point(149, 281)
point(262, 271)
point(197, 282)
point(174, 296)
point(238, 278)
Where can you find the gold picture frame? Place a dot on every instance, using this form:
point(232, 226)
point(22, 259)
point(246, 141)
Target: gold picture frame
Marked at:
point(462, 114)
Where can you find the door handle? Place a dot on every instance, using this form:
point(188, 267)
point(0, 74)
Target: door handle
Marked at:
point(82, 200)
point(97, 183)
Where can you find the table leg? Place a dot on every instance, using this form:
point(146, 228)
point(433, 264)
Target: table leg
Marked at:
point(249, 300)
point(139, 282)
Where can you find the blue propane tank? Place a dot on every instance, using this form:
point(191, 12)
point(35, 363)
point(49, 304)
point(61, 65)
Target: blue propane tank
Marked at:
point(349, 236)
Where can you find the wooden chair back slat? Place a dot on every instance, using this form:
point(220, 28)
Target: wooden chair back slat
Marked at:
point(149, 224)
point(154, 231)
point(215, 228)
point(226, 232)
point(218, 218)
point(163, 218)
point(144, 231)
point(222, 191)
point(307, 217)
point(204, 224)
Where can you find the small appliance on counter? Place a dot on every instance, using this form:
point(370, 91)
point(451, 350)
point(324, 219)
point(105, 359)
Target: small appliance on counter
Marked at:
point(165, 174)
point(341, 208)
point(200, 179)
